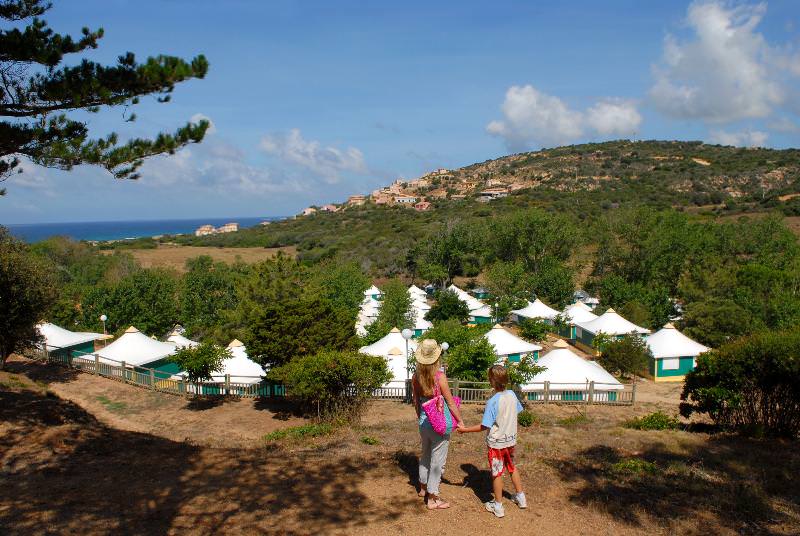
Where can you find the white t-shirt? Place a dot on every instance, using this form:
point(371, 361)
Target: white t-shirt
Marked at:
point(500, 417)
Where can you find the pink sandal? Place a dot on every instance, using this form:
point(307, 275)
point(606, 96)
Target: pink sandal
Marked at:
point(438, 504)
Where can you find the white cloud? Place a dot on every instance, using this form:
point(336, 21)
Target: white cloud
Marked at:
point(614, 117)
point(744, 138)
point(724, 73)
point(533, 118)
point(328, 162)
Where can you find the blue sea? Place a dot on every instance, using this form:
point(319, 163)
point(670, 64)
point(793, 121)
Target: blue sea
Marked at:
point(118, 230)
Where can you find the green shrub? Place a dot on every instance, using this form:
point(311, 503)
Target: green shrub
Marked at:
point(634, 466)
point(526, 418)
point(575, 420)
point(334, 384)
point(202, 361)
point(751, 385)
point(300, 432)
point(653, 421)
point(534, 329)
point(369, 440)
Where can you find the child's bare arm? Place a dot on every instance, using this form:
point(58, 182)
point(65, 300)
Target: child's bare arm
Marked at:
point(473, 428)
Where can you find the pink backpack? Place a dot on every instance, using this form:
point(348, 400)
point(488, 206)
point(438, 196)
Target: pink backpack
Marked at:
point(438, 412)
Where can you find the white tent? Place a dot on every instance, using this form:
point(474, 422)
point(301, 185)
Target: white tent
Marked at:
point(136, 348)
point(579, 312)
point(420, 324)
point(461, 293)
point(567, 371)
point(669, 342)
point(56, 337)
point(507, 344)
point(611, 323)
point(537, 309)
point(182, 342)
point(370, 307)
point(417, 292)
point(393, 348)
point(373, 292)
point(420, 305)
point(241, 368)
point(473, 304)
point(484, 311)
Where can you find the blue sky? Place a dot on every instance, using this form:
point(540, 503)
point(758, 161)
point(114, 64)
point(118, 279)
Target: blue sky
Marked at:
point(314, 101)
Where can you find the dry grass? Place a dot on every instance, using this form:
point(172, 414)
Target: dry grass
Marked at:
point(175, 257)
point(67, 469)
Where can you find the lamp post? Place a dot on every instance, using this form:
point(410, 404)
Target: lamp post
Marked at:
point(103, 319)
point(407, 334)
point(445, 346)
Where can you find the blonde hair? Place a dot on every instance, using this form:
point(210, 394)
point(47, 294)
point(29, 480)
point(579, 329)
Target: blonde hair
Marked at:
point(426, 376)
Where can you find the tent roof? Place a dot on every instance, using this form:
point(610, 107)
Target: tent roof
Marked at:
point(565, 370)
point(416, 291)
point(506, 343)
point(419, 320)
point(136, 348)
point(579, 312)
point(669, 342)
point(392, 347)
point(613, 324)
point(58, 337)
point(181, 341)
point(421, 305)
point(537, 309)
point(483, 311)
point(241, 368)
point(372, 290)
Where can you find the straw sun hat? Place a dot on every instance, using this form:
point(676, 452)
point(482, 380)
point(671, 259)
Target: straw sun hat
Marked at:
point(428, 352)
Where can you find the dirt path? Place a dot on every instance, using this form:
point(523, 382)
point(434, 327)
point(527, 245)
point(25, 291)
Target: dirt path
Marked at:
point(66, 470)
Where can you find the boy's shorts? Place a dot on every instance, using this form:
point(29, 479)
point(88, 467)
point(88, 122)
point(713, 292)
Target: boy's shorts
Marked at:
point(501, 460)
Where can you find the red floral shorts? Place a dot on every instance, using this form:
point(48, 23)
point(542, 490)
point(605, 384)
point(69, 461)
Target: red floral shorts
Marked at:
point(501, 460)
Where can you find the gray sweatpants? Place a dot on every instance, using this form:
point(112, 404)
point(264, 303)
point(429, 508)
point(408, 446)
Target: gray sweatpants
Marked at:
point(433, 458)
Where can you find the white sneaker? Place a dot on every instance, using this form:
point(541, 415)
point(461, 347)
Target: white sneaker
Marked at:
point(520, 499)
point(496, 508)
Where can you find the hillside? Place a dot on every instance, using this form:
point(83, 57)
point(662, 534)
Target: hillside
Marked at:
point(584, 181)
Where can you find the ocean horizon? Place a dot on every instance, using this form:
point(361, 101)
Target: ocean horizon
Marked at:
point(120, 230)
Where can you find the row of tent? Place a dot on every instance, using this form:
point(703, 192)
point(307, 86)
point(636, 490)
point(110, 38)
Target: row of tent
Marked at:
point(371, 306)
point(562, 366)
point(134, 348)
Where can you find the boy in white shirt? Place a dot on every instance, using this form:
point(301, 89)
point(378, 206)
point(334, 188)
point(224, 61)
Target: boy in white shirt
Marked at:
point(500, 422)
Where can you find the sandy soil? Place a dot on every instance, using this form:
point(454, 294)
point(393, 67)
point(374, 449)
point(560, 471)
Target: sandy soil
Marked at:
point(174, 256)
point(70, 463)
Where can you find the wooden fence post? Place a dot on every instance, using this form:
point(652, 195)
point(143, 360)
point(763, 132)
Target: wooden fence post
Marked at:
point(96, 364)
point(590, 400)
point(408, 398)
point(457, 388)
point(124, 376)
point(546, 392)
point(227, 384)
point(182, 387)
point(633, 394)
point(152, 379)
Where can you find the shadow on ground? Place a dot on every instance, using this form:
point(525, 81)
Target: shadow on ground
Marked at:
point(65, 472)
point(748, 486)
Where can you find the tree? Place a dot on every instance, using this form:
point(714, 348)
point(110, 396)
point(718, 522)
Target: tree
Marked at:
point(448, 306)
point(27, 291)
point(395, 309)
point(627, 356)
point(37, 91)
point(201, 362)
point(342, 284)
point(717, 321)
point(553, 281)
point(470, 361)
point(451, 331)
point(531, 236)
point(336, 384)
point(206, 290)
point(534, 329)
point(291, 328)
point(507, 282)
point(751, 384)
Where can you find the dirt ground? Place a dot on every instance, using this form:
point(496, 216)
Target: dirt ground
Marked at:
point(80, 454)
point(175, 257)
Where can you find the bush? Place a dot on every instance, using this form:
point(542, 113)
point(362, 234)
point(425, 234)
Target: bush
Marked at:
point(300, 432)
point(448, 306)
point(202, 361)
point(629, 355)
point(654, 421)
point(752, 384)
point(526, 418)
point(334, 384)
point(634, 466)
point(470, 360)
point(369, 440)
point(534, 329)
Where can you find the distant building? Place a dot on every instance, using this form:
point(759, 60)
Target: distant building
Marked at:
point(382, 199)
point(405, 200)
point(228, 228)
point(438, 194)
point(492, 193)
point(265, 222)
point(309, 211)
point(356, 200)
point(422, 206)
point(205, 230)
point(329, 208)
point(458, 197)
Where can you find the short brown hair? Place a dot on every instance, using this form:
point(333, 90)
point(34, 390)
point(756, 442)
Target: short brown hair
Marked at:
point(498, 377)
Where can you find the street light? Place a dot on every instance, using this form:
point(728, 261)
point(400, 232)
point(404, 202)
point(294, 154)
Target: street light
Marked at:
point(103, 319)
point(407, 334)
point(445, 347)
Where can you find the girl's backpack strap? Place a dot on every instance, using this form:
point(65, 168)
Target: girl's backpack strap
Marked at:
point(436, 390)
